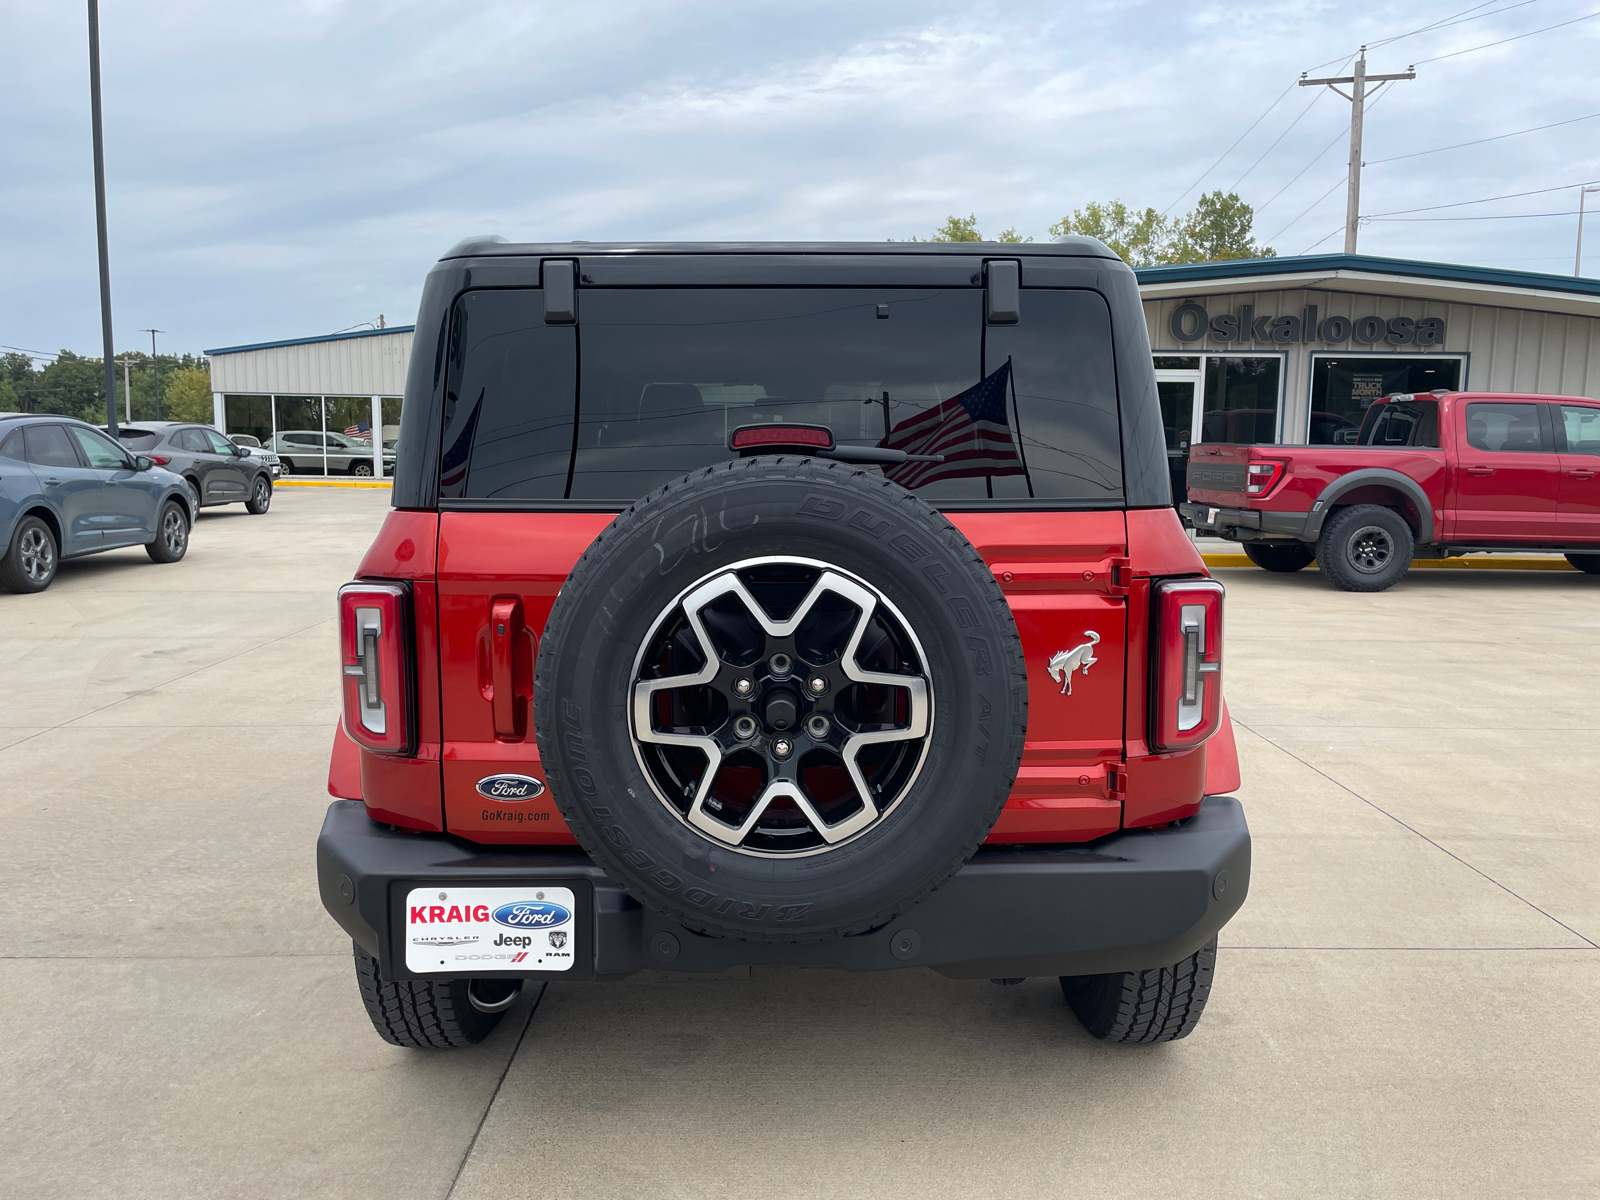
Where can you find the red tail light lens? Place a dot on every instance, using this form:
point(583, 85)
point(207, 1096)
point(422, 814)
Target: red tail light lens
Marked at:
point(374, 641)
point(749, 438)
point(1188, 663)
point(1261, 476)
point(160, 460)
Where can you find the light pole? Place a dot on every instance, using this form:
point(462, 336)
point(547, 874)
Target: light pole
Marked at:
point(1577, 262)
point(127, 388)
point(100, 214)
point(155, 365)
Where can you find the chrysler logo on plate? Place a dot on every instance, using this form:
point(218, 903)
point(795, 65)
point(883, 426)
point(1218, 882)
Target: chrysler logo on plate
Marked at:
point(510, 788)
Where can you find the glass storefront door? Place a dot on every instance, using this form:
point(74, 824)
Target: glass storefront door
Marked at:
point(1243, 396)
point(1344, 387)
point(1178, 382)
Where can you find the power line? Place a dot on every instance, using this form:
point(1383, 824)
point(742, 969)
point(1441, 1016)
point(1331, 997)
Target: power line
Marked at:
point(1337, 138)
point(1448, 22)
point(1503, 41)
point(1372, 162)
point(1229, 150)
point(1400, 212)
point(1491, 217)
point(1274, 145)
point(1336, 229)
point(1309, 207)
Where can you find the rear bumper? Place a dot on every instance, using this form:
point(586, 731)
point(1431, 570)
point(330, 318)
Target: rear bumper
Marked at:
point(1134, 900)
point(1246, 524)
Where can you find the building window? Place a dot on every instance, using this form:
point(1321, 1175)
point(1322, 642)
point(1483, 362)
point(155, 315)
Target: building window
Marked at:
point(1343, 388)
point(1241, 399)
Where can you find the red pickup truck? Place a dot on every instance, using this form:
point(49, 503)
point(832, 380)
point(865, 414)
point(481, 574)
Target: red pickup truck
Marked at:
point(1426, 476)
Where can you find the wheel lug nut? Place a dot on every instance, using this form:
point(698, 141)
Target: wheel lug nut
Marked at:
point(744, 727)
point(782, 748)
point(817, 726)
point(818, 685)
point(781, 664)
point(743, 687)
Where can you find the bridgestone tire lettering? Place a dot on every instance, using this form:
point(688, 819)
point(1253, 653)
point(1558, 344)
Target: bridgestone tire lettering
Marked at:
point(821, 511)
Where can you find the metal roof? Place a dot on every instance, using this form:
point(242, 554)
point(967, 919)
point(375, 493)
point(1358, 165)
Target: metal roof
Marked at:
point(1373, 274)
point(307, 341)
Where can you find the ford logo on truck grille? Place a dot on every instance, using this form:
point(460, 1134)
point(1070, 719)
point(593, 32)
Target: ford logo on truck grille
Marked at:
point(510, 788)
point(530, 914)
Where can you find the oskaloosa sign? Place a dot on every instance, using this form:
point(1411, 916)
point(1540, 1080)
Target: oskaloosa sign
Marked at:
point(1191, 323)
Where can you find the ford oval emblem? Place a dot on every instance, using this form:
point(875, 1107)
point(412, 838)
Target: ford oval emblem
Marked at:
point(532, 914)
point(510, 788)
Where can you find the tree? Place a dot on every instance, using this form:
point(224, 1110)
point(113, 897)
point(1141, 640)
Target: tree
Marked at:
point(1140, 239)
point(73, 386)
point(1218, 229)
point(958, 229)
point(187, 397)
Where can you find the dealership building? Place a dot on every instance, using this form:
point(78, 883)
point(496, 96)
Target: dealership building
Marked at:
point(1295, 349)
point(316, 400)
point(1260, 350)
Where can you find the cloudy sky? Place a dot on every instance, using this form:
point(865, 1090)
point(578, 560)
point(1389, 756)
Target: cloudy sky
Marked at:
point(292, 167)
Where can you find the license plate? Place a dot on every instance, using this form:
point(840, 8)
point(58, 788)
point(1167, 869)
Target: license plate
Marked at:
point(462, 931)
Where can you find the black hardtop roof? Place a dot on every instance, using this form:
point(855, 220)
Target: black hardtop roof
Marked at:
point(497, 247)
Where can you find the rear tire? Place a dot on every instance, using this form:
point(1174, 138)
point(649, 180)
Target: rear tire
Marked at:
point(1160, 1005)
point(363, 469)
point(1365, 548)
point(260, 496)
point(430, 1014)
point(172, 534)
point(1589, 564)
point(1280, 557)
point(31, 559)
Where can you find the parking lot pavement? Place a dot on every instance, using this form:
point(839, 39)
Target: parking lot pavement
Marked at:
point(1399, 1009)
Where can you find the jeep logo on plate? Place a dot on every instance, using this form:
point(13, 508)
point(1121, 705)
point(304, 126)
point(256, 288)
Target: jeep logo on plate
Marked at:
point(528, 914)
point(510, 788)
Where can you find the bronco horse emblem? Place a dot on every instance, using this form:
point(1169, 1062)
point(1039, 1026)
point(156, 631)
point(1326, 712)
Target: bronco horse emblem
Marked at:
point(1064, 663)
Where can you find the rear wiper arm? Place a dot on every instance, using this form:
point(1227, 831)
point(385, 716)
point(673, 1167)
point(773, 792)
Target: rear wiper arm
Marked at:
point(876, 454)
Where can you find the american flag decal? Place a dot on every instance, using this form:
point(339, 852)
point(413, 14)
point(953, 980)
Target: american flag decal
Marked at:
point(969, 429)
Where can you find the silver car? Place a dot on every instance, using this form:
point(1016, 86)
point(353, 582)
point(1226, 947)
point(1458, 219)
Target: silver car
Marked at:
point(303, 451)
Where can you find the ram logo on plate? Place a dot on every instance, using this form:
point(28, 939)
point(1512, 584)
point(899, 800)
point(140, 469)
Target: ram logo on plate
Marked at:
point(510, 788)
point(527, 914)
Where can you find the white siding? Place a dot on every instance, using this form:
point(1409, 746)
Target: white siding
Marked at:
point(1509, 349)
point(373, 365)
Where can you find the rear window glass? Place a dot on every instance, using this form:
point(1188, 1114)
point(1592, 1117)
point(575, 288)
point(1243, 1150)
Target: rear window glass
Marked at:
point(138, 440)
point(667, 375)
point(1401, 423)
point(47, 445)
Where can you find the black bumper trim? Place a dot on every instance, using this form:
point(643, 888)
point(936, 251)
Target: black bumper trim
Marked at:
point(1134, 900)
point(1237, 524)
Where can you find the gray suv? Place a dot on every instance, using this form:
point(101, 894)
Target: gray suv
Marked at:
point(304, 451)
point(216, 470)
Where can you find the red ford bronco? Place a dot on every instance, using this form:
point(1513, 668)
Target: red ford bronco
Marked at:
point(792, 604)
point(1426, 476)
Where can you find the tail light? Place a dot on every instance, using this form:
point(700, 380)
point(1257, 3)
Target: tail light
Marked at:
point(374, 650)
point(1261, 476)
point(160, 460)
point(1188, 663)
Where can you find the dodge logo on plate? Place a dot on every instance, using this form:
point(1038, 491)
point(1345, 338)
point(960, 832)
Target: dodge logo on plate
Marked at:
point(510, 788)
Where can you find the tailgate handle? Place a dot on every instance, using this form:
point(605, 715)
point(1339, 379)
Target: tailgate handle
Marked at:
point(508, 639)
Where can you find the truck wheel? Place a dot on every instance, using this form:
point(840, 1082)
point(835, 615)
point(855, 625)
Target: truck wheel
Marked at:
point(172, 534)
point(1589, 564)
point(1280, 557)
point(780, 699)
point(30, 561)
point(432, 1014)
point(1161, 1005)
point(1365, 548)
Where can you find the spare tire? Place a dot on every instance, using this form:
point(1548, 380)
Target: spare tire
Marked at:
point(780, 699)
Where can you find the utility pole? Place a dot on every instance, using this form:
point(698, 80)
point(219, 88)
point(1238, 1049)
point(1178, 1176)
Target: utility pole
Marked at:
point(127, 388)
point(100, 215)
point(155, 365)
point(1357, 95)
point(1577, 262)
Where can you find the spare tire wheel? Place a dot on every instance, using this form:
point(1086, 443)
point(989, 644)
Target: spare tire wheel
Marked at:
point(780, 699)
